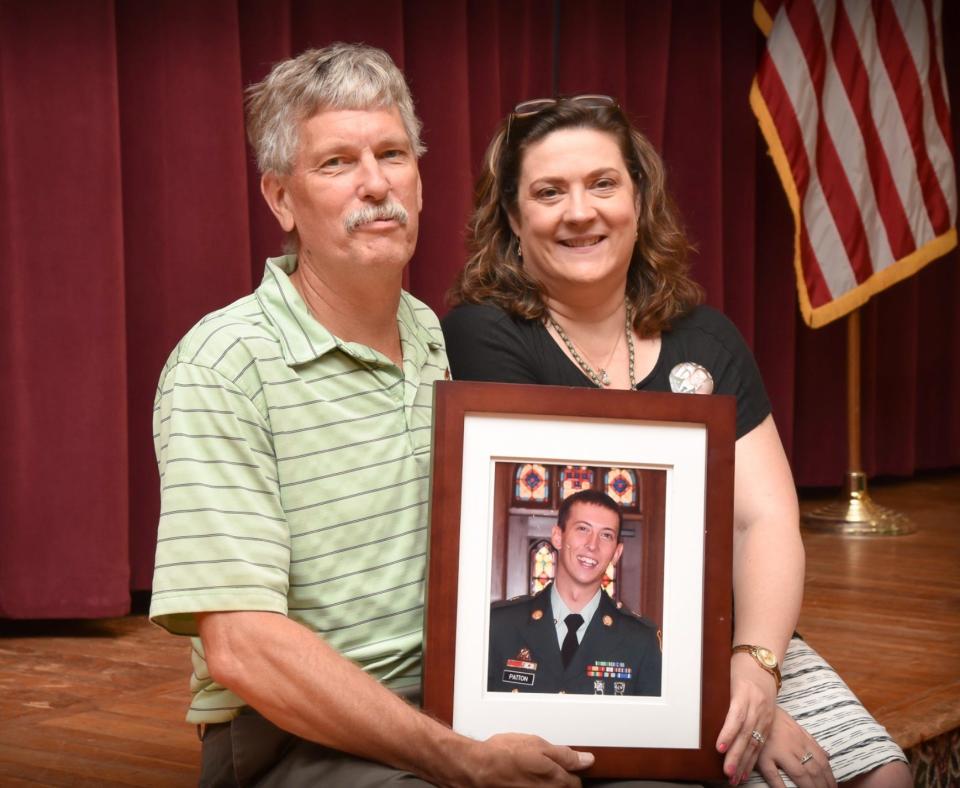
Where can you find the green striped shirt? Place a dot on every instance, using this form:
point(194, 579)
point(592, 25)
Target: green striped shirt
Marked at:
point(294, 472)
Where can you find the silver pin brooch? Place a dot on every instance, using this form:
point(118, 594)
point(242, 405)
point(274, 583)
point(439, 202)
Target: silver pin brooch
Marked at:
point(690, 378)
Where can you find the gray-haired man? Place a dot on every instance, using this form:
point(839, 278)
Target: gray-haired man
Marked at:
point(293, 438)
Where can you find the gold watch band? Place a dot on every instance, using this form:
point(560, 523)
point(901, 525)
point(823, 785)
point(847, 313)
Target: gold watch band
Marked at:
point(765, 658)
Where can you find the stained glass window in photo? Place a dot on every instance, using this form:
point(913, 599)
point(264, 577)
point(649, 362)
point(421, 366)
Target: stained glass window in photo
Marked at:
point(532, 484)
point(543, 565)
point(574, 478)
point(609, 581)
point(621, 485)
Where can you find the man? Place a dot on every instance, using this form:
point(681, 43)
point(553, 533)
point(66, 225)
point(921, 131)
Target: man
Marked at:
point(292, 431)
point(571, 637)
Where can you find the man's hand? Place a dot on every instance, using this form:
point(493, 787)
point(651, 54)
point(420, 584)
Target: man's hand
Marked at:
point(518, 760)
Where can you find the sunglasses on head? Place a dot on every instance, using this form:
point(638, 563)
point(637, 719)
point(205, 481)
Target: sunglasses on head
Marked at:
point(531, 107)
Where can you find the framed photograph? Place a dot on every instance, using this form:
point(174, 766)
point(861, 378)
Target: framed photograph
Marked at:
point(540, 495)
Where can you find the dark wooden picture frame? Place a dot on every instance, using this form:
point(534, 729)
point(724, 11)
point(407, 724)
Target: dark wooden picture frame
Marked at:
point(542, 408)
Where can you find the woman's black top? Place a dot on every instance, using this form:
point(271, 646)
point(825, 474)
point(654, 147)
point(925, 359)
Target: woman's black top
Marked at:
point(485, 343)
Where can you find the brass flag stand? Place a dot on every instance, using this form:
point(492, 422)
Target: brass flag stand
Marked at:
point(856, 514)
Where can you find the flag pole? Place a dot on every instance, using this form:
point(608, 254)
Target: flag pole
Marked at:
point(856, 513)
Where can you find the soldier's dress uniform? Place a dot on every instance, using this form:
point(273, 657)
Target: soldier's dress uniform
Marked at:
point(619, 653)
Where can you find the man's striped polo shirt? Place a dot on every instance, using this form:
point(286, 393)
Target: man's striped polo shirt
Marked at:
point(294, 479)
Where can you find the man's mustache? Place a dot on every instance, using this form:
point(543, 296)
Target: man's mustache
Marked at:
point(384, 211)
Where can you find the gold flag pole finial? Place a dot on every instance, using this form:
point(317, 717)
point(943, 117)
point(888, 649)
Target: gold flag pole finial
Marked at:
point(856, 514)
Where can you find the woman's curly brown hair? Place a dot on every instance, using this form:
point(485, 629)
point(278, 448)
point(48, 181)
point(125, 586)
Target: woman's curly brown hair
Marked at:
point(659, 289)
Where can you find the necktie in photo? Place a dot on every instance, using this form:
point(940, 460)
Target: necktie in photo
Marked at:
point(570, 642)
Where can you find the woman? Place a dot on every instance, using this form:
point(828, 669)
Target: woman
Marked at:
point(578, 276)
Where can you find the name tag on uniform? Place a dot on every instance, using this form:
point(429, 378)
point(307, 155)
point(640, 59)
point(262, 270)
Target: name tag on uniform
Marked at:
point(522, 677)
point(609, 670)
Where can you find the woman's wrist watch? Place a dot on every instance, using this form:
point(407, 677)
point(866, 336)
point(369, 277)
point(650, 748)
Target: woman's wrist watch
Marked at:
point(765, 658)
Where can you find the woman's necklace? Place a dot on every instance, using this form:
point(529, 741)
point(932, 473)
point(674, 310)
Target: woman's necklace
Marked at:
point(600, 377)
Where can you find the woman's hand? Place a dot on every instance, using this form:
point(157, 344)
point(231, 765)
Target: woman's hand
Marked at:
point(753, 694)
point(789, 749)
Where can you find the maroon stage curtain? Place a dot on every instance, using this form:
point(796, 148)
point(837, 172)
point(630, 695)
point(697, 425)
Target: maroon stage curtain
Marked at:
point(129, 207)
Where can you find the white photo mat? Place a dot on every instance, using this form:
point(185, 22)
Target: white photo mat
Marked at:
point(671, 720)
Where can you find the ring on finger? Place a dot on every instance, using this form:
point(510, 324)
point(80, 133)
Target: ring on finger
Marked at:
point(807, 756)
point(758, 737)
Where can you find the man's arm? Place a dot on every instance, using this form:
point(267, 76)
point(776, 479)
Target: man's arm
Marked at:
point(301, 684)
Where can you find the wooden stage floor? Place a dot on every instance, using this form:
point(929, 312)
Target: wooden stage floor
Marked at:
point(885, 611)
point(101, 703)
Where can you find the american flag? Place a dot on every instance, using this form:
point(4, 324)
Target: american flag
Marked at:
point(851, 98)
